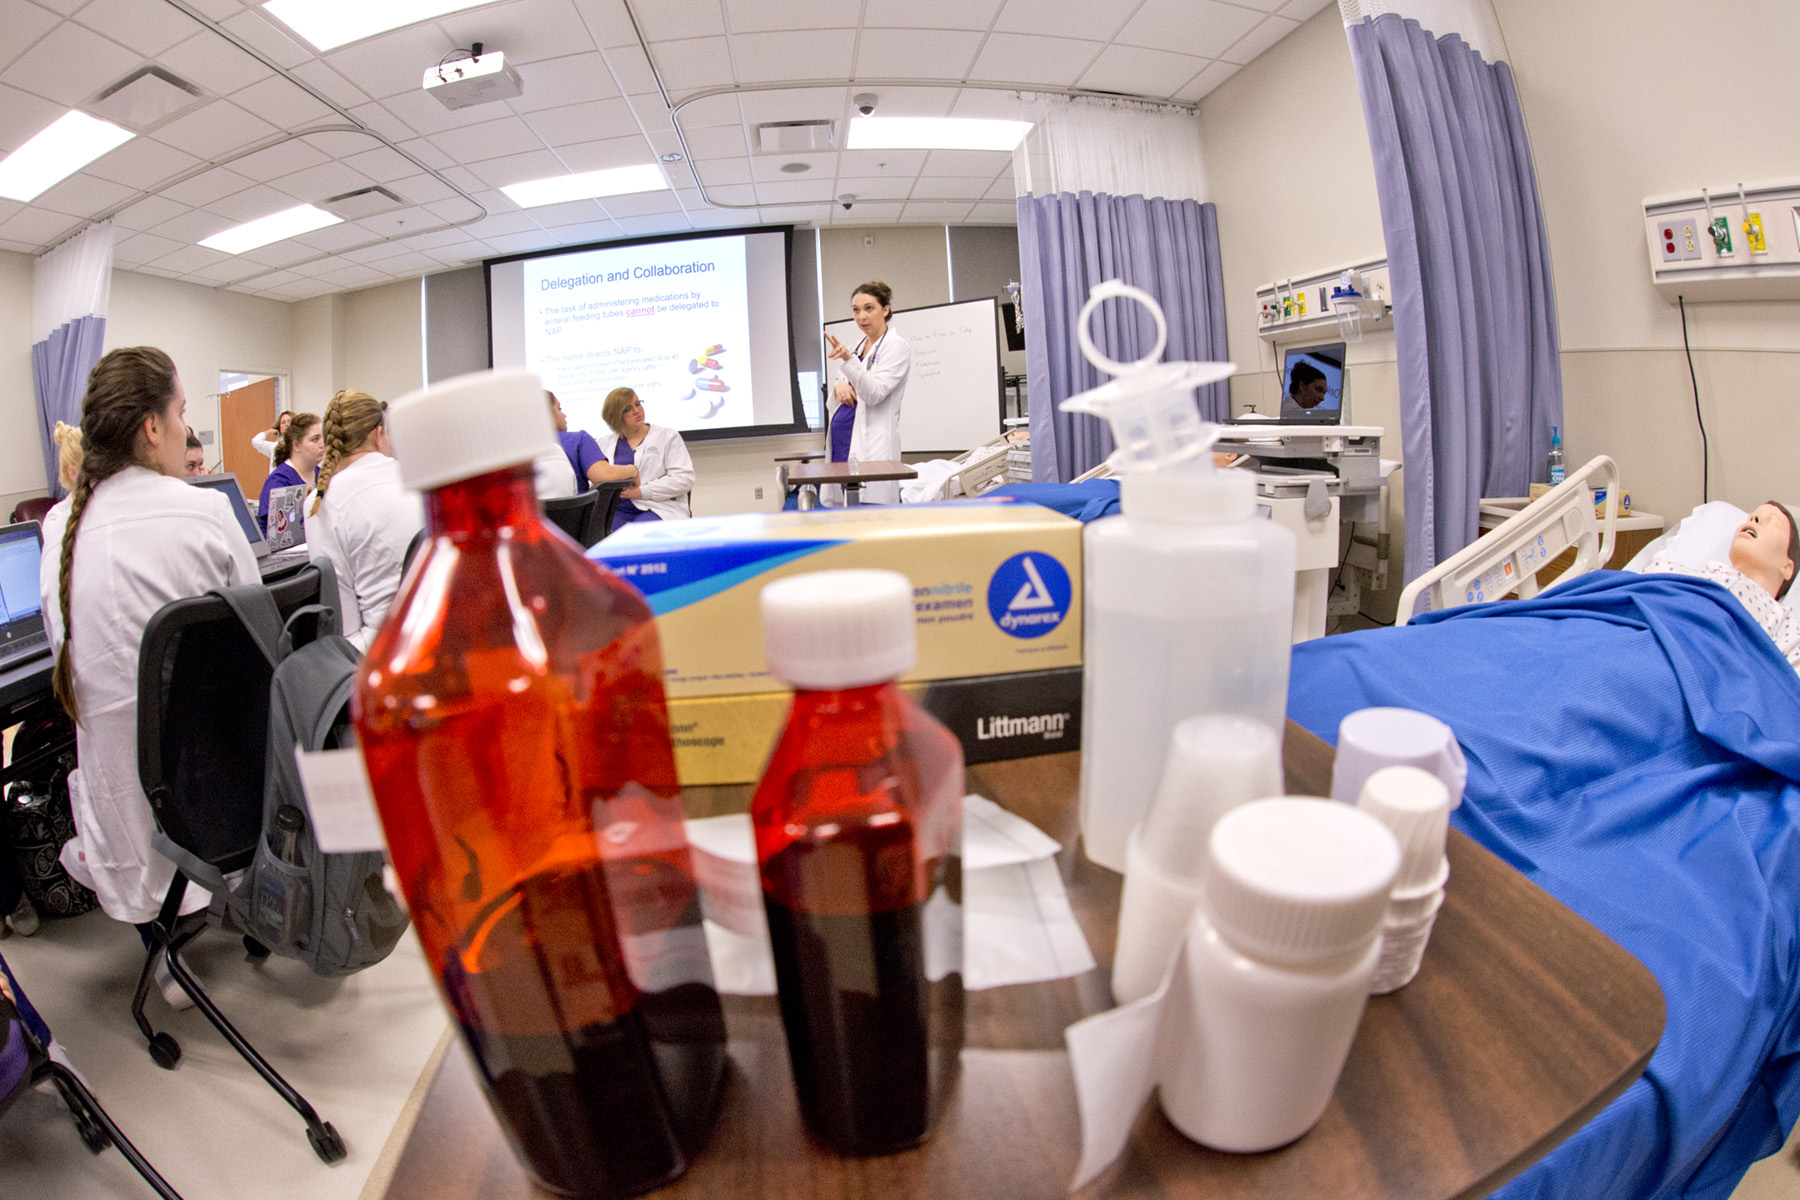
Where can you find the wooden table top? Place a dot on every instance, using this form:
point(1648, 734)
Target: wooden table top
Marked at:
point(800, 456)
point(1523, 1022)
point(874, 471)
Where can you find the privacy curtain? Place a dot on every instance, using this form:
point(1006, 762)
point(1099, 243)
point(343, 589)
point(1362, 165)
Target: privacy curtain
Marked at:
point(70, 289)
point(1474, 312)
point(1111, 190)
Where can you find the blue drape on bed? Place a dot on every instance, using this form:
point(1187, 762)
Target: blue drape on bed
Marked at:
point(1634, 748)
point(1469, 266)
point(1068, 242)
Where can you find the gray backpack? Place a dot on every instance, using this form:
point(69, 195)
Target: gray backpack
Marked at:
point(328, 910)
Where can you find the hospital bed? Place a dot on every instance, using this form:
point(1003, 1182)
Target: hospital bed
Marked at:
point(1634, 749)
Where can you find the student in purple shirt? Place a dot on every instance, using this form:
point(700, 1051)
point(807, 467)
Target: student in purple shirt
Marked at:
point(584, 454)
point(297, 458)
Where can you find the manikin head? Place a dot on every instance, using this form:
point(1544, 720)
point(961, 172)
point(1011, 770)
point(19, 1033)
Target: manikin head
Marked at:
point(1766, 548)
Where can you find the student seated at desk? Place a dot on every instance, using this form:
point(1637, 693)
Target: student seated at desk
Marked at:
point(68, 468)
point(138, 537)
point(583, 451)
point(297, 460)
point(665, 470)
point(363, 517)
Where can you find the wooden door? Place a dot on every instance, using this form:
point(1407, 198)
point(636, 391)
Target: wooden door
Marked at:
point(243, 414)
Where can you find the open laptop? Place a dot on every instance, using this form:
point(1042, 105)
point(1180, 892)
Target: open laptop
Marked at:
point(22, 633)
point(268, 562)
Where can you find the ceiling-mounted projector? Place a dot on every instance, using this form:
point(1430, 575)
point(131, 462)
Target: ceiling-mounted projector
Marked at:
point(477, 79)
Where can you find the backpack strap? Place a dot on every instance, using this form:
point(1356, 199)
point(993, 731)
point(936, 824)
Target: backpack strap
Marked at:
point(260, 617)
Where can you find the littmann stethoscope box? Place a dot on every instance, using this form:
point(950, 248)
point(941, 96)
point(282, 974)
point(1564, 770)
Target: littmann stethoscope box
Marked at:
point(996, 598)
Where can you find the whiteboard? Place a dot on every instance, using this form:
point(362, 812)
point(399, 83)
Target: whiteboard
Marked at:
point(952, 398)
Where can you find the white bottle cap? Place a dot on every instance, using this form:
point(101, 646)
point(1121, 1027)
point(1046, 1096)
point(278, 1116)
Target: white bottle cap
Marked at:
point(838, 629)
point(1295, 879)
point(468, 426)
point(1216, 762)
point(1372, 738)
point(1415, 806)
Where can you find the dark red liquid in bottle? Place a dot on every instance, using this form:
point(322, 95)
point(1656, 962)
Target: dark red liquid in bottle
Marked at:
point(858, 830)
point(512, 718)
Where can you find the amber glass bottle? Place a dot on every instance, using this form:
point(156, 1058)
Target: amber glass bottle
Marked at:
point(858, 822)
point(512, 717)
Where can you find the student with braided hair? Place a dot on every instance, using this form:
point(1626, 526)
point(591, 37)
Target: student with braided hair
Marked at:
point(68, 468)
point(363, 518)
point(138, 537)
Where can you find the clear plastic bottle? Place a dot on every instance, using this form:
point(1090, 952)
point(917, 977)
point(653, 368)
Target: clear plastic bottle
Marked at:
point(284, 893)
point(1188, 593)
point(1556, 456)
point(512, 717)
point(858, 821)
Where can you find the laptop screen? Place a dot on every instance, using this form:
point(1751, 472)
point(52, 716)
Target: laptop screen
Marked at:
point(228, 484)
point(21, 549)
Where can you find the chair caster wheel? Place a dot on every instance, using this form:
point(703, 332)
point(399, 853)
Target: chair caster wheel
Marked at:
point(165, 1051)
point(255, 949)
point(326, 1144)
point(92, 1136)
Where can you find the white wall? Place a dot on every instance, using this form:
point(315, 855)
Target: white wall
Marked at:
point(21, 445)
point(318, 352)
point(382, 340)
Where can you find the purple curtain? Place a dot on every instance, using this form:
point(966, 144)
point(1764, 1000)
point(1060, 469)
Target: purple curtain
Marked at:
point(59, 366)
point(1068, 242)
point(1474, 311)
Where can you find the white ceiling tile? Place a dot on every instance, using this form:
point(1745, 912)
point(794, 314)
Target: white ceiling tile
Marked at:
point(750, 16)
point(969, 163)
point(713, 111)
point(732, 193)
point(518, 168)
point(146, 29)
point(191, 258)
point(575, 212)
point(229, 271)
point(321, 182)
point(913, 102)
point(262, 33)
point(720, 171)
point(377, 117)
point(583, 122)
point(1267, 6)
point(932, 14)
point(575, 79)
point(419, 111)
point(24, 24)
point(218, 10)
point(371, 255)
point(341, 143)
point(265, 285)
point(1198, 27)
point(141, 163)
point(716, 142)
point(279, 254)
point(353, 275)
point(191, 226)
point(427, 153)
point(1300, 10)
point(882, 163)
point(796, 191)
point(491, 139)
point(211, 62)
point(70, 64)
point(445, 240)
point(498, 225)
point(1070, 18)
point(1003, 189)
point(400, 222)
point(1137, 71)
point(612, 152)
point(464, 178)
point(331, 239)
point(951, 187)
point(648, 226)
point(425, 189)
point(66, 7)
point(332, 84)
point(84, 195)
point(640, 204)
point(404, 265)
point(206, 187)
point(214, 130)
point(306, 289)
point(38, 227)
point(768, 167)
point(393, 62)
point(157, 273)
point(993, 214)
point(589, 231)
point(805, 54)
point(312, 269)
point(916, 54)
point(866, 188)
point(24, 116)
point(693, 64)
point(520, 243)
point(935, 212)
point(631, 70)
point(526, 32)
point(1028, 58)
point(276, 161)
point(150, 212)
point(986, 102)
point(380, 162)
point(1272, 30)
point(719, 218)
point(281, 104)
point(664, 20)
point(796, 104)
point(651, 113)
point(141, 248)
point(251, 203)
point(457, 210)
point(1209, 78)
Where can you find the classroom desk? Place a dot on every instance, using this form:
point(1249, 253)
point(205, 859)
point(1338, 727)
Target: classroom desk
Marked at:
point(851, 475)
point(23, 686)
point(1523, 1023)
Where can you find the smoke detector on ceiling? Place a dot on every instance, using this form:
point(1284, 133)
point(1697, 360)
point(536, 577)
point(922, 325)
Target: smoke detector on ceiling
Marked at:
point(476, 79)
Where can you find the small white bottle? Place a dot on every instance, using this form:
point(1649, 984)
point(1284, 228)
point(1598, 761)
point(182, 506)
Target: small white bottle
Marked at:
point(1415, 806)
point(1215, 763)
point(1277, 968)
point(1189, 595)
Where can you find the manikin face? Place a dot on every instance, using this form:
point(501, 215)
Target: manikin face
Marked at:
point(1760, 547)
point(871, 316)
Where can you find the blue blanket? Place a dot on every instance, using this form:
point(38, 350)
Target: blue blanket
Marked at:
point(1634, 748)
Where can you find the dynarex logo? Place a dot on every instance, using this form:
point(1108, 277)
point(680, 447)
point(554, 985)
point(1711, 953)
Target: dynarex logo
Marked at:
point(1029, 595)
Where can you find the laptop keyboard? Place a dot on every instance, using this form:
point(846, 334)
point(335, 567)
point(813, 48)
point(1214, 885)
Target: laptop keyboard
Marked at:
point(25, 647)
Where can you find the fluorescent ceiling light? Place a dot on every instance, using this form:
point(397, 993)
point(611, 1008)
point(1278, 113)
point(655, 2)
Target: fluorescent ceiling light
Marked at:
point(328, 24)
point(289, 222)
point(934, 133)
point(63, 147)
point(590, 185)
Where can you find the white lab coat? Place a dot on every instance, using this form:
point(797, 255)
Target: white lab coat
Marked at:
point(265, 445)
point(50, 567)
point(879, 391)
point(553, 474)
point(145, 540)
point(665, 471)
point(364, 525)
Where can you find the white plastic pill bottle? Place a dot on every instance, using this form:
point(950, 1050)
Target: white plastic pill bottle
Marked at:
point(1277, 968)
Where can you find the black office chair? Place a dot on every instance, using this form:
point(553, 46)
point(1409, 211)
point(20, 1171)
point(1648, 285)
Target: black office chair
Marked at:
point(203, 728)
point(574, 515)
point(412, 552)
point(608, 508)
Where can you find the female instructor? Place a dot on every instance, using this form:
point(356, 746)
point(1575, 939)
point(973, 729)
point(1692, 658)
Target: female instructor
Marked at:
point(865, 401)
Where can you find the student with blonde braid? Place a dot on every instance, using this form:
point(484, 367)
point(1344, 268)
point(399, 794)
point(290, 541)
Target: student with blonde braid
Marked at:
point(138, 537)
point(68, 467)
point(363, 518)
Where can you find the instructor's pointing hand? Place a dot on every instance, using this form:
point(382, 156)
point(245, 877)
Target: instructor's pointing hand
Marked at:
point(837, 350)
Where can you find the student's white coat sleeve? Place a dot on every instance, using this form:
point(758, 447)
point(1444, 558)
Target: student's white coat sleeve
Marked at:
point(875, 384)
point(264, 444)
point(677, 477)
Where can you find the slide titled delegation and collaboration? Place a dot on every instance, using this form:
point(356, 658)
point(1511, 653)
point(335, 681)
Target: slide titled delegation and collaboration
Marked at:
point(672, 322)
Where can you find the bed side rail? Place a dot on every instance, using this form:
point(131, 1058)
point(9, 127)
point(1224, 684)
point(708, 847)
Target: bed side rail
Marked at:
point(1505, 561)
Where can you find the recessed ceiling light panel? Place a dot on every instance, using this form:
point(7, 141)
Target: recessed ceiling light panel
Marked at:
point(590, 185)
point(289, 222)
point(328, 24)
point(60, 149)
point(934, 133)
